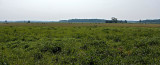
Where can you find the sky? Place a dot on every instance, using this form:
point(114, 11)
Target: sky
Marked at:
point(79, 9)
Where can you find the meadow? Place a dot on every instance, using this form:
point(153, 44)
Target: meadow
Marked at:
point(79, 44)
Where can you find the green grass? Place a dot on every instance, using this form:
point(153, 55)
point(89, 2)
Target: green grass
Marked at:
point(80, 45)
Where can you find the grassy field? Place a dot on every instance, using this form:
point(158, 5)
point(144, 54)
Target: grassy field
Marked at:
point(81, 24)
point(79, 44)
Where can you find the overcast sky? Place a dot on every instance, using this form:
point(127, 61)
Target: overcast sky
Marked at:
point(70, 9)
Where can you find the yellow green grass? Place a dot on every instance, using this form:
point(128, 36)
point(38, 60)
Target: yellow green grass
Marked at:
point(79, 44)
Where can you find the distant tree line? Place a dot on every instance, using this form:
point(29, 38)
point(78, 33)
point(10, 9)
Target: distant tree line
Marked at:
point(17, 21)
point(155, 21)
point(84, 20)
point(115, 20)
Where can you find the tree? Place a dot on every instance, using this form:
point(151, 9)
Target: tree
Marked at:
point(29, 21)
point(120, 21)
point(5, 21)
point(114, 20)
point(140, 21)
point(125, 21)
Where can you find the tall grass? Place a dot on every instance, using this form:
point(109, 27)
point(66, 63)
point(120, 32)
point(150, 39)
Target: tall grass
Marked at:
point(82, 45)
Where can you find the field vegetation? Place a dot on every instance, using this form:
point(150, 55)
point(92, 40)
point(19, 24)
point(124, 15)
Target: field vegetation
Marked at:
point(79, 44)
point(81, 24)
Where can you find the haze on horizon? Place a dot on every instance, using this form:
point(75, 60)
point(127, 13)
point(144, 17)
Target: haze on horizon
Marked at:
point(82, 9)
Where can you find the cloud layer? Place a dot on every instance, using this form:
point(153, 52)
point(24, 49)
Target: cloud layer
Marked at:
point(67, 9)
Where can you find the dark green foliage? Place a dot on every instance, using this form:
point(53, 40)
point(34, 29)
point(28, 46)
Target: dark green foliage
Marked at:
point(38, 56)
point(56, 49)
point(90, 45)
